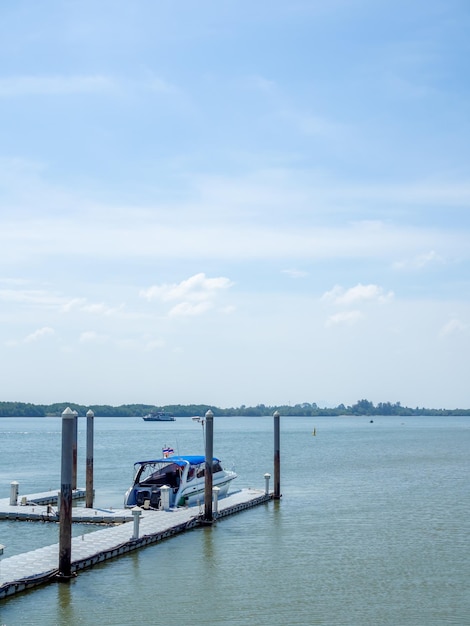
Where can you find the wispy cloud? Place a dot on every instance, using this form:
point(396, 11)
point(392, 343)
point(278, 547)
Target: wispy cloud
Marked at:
point(100, 309)
point(345, 317)
point(420, 261)
point(197, 288)
point(72, 304)
point(354, 296)
point(274, 212)
point(454, 327)
point(196, 294)
point(295, 273)
point(360, 293)
point(30, 297)
point(54, 85)
point(37, 335)
point(190, 308)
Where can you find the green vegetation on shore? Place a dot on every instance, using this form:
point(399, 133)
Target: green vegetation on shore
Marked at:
point(362, 407)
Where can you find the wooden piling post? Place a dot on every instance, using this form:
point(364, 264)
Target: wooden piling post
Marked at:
point(74, 449)
point(89, 459)
point(65, 508)
point(208, 469)
point(277, 456)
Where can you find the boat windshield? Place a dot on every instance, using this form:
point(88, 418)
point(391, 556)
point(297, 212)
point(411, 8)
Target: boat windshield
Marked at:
point(157, 473)
point(199, 470)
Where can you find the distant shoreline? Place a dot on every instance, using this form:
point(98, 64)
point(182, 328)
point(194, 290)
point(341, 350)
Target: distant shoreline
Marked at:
point(305, 409)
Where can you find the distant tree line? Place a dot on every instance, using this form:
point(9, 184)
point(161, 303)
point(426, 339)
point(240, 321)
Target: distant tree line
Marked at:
point(307, 409)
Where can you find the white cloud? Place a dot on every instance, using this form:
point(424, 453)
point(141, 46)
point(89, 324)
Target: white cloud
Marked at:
point(272, 213)
point(195, 288)
point(453, 327)
point(196, 294)
point(420, 261)
point(39, 334)
point(295, 273)
point(360, 293)
point(347, 317)
point(74, 303)
point(190, 309)
point(94, 308)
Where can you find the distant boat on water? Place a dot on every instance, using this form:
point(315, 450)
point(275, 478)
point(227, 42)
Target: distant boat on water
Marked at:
point(158, 416)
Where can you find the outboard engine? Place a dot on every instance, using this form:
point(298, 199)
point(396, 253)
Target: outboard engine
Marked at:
point(155, 498)
point(141, 496)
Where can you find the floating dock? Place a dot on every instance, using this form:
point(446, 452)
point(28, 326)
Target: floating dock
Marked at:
point(42, 507)
point(47, 497)
point(24, 571)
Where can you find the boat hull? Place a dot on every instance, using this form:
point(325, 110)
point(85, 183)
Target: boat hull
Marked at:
point(193, 496)
point(184, 477)
point(159, 419)
point(161, 416)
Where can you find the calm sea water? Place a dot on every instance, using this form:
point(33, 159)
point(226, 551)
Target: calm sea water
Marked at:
point(372, 529)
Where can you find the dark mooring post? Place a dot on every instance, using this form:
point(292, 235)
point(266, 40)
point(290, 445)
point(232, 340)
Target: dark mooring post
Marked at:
point(74, 450)
point(65, 508)
point(277, 456)
point(208, 469)
point(89, 459)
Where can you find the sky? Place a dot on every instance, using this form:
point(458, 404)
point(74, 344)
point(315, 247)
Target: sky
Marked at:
point(235, 202)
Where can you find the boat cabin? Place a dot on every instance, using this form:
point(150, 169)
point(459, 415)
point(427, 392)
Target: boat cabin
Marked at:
point(178, 473)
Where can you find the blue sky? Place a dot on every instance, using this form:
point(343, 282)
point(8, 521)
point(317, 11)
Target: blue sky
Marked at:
point(235, 202)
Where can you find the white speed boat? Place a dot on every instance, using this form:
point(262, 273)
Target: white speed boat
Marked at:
point(184, 475)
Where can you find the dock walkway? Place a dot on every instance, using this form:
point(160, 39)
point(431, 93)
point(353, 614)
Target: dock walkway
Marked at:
point(39, 507)
point(24, 571)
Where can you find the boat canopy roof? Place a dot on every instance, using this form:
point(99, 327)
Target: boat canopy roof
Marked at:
point(192, 459)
